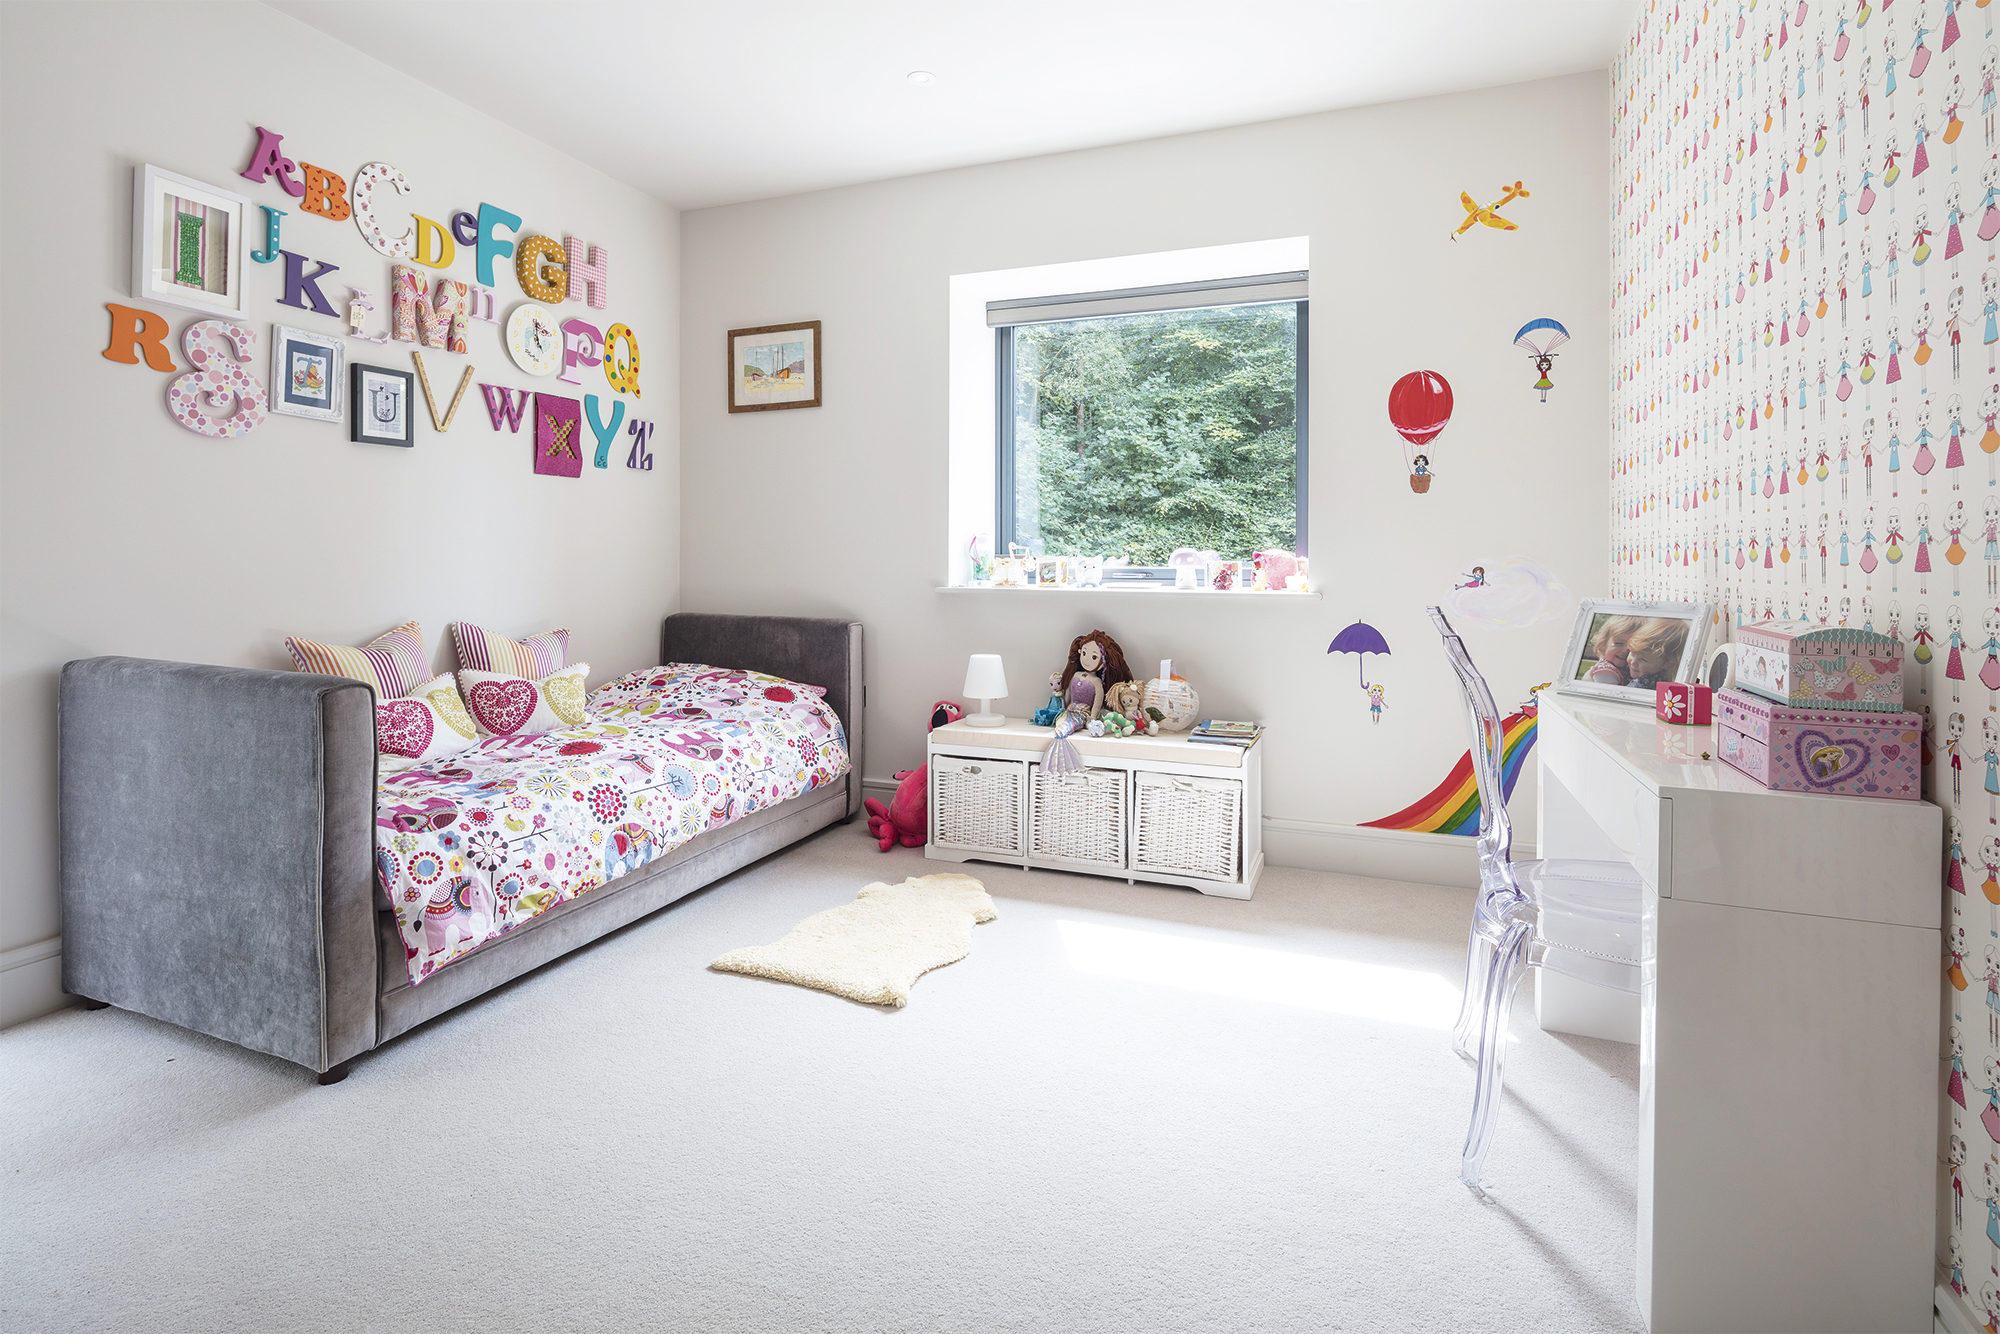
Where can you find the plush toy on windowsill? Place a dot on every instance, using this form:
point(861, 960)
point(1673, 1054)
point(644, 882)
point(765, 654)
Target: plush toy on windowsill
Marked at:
point(906, 819)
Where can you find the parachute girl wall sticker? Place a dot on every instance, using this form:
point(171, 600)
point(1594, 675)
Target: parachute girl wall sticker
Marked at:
point(1540, 339)
point(1419, 408)
point(1490, 215)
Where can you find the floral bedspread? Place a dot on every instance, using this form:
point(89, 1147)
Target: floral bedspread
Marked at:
point(476, 844)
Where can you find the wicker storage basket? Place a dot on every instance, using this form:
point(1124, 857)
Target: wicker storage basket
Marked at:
point(1078, 817)
point(1187, 826)
point(977, 804)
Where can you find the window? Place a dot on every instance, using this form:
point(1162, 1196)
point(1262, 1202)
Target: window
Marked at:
point(1132, 423)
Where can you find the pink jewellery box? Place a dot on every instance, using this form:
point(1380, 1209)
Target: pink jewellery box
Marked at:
point(1812, 666)
point(1820, 750)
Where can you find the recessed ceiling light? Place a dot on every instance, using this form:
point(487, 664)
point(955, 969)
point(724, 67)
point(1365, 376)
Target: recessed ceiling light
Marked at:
point(922, 76)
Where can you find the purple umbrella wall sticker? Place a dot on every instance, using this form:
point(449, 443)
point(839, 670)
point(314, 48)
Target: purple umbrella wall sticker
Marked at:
point(1362, 638)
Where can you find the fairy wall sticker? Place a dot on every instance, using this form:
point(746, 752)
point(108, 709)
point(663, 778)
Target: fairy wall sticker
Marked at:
point(1806, 340)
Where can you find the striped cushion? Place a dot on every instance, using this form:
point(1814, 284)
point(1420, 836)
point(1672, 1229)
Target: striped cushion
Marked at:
point(536, 657)
point(394, 664)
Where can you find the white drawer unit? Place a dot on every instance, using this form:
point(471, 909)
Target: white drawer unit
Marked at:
point(1162, 809)
point(978, 805)
point(1187, 826)
point(1078, 818)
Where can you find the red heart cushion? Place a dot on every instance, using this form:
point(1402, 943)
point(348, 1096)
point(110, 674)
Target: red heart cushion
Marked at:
point(502, 706)
point(403, 727)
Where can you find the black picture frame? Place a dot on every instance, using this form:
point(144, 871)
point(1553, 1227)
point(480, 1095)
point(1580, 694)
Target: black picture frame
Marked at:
point(363, 386)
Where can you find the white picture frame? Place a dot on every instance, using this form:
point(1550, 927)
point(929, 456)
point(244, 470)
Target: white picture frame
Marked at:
point(308, 374)
point(204, 272)
point(1588, 670)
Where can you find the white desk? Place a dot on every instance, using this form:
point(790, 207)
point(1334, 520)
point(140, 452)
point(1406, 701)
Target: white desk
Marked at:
point(1788, 1027)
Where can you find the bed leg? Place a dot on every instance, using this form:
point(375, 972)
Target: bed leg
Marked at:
point(89, 1004)
point(335, 1075)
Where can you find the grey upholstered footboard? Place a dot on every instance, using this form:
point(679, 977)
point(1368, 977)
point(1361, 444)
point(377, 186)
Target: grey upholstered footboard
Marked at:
point(810, 650)
point(218, 854)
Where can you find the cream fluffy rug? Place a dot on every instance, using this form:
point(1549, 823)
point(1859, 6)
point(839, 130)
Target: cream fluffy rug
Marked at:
point(874, 949)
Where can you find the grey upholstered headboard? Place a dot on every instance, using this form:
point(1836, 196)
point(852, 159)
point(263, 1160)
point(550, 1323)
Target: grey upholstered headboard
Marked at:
point(811, 650)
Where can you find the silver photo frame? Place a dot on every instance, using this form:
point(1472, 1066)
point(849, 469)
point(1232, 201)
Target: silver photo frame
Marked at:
point(1621, 650)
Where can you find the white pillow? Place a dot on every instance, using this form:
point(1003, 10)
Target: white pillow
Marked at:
point(427, 724)
point(515, 706)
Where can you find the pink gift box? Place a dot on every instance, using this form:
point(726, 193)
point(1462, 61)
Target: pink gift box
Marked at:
point(1684, 703)
point(1812, 666)
point(1843, 751)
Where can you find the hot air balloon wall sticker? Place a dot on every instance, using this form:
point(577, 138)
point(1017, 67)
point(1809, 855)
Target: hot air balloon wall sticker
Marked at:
point(1540, 339)
point(1361, 639)
point(1419, 408)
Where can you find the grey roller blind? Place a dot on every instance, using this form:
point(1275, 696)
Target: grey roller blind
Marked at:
point(1130, 300)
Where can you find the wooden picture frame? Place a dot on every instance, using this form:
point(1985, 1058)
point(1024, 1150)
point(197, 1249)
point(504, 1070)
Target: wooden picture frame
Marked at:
point(767, 373)
point(187, 242)
point(379, 411)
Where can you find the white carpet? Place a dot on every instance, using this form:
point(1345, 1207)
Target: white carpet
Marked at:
point(1134, 1109)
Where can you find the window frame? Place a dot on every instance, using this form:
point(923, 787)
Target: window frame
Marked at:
point(1003, 436)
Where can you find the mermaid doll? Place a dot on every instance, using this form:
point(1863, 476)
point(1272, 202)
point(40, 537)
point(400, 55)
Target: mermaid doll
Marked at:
point(1095, 664)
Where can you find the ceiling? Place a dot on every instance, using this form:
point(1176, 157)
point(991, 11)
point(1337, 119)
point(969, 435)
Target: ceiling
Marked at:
point(700, 104)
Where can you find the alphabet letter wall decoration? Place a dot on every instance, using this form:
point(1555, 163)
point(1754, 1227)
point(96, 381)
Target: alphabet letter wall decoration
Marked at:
point(359, 303)
point(326, 193)
point(622, 371)
point(268, 157)
point(434, 245)
point(491, 247)
point(466, 228)
point(540, 268)
point(583, 345)
point(605, 432)
point(479, 304)
point(641, 456)
point(501, 405)
point(301, 289)
point(218, 352)
point(589, 280)
point(440, 425)
point(270, 251)
point(419, 318)
point(365, 181)
point(558, 423)
point(134, 331)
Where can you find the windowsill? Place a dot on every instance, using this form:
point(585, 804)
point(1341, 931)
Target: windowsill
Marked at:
point(1053, 590)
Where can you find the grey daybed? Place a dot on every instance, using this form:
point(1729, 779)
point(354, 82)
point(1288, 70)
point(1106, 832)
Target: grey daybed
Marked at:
point(289, 949)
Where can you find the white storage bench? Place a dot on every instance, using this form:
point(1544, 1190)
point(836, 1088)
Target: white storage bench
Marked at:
point(1162, 809)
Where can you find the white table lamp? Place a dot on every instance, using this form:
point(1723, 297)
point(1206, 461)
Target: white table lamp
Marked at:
point(985, 681)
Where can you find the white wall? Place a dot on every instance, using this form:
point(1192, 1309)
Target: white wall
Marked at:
point(842, 509)
point(124, 533)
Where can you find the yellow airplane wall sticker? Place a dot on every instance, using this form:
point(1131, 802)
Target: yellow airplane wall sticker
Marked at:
point(1490, 215)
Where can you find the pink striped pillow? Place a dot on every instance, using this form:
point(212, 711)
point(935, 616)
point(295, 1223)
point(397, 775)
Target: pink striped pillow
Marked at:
point(395, 663)
point(536, 657)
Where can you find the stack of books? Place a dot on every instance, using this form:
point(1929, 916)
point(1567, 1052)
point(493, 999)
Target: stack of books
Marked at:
point(1221, 732)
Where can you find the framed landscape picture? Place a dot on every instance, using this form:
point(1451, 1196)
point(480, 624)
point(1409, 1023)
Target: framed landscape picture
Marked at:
point(774, 366)
point(306, 373)
point(379, 413)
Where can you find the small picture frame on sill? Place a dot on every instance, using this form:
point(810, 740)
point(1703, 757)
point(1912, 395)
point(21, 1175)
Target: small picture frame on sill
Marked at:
point(307, 374)
point(1622, 650)
point(187, 242)
point(379, 406)
point(774, 366)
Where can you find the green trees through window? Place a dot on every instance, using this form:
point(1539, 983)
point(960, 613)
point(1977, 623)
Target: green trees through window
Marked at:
point(1137, 434)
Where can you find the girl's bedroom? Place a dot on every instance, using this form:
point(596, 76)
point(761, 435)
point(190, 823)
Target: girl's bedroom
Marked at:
point(1306, 665)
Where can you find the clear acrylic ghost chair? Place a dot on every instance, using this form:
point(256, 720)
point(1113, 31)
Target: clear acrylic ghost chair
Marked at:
point(1578, 918)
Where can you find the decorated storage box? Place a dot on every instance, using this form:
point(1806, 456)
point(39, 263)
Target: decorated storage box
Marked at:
point(1817, 666)
point(1821, 749)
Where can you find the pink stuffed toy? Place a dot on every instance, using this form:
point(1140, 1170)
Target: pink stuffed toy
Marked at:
point(906, 819)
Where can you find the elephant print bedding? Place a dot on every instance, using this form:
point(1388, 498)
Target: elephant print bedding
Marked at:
point(474, 844)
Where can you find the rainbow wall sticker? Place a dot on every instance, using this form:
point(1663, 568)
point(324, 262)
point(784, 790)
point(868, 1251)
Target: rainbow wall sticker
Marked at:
point(1453, 805)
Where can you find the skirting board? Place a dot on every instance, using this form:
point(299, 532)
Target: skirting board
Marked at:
point(1381, 854)
point(1953, 1315)
point(31, 981)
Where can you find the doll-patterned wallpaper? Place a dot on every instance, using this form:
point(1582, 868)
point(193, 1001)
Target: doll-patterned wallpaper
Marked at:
point(1806, 321)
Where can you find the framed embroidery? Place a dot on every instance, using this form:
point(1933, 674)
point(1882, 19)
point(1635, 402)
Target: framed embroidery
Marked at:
point(187, 242)
point(379, 406)
point(774, 366)
point(307, 370)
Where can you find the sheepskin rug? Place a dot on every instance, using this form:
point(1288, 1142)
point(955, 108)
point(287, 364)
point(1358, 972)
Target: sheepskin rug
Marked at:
point(874, 949)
